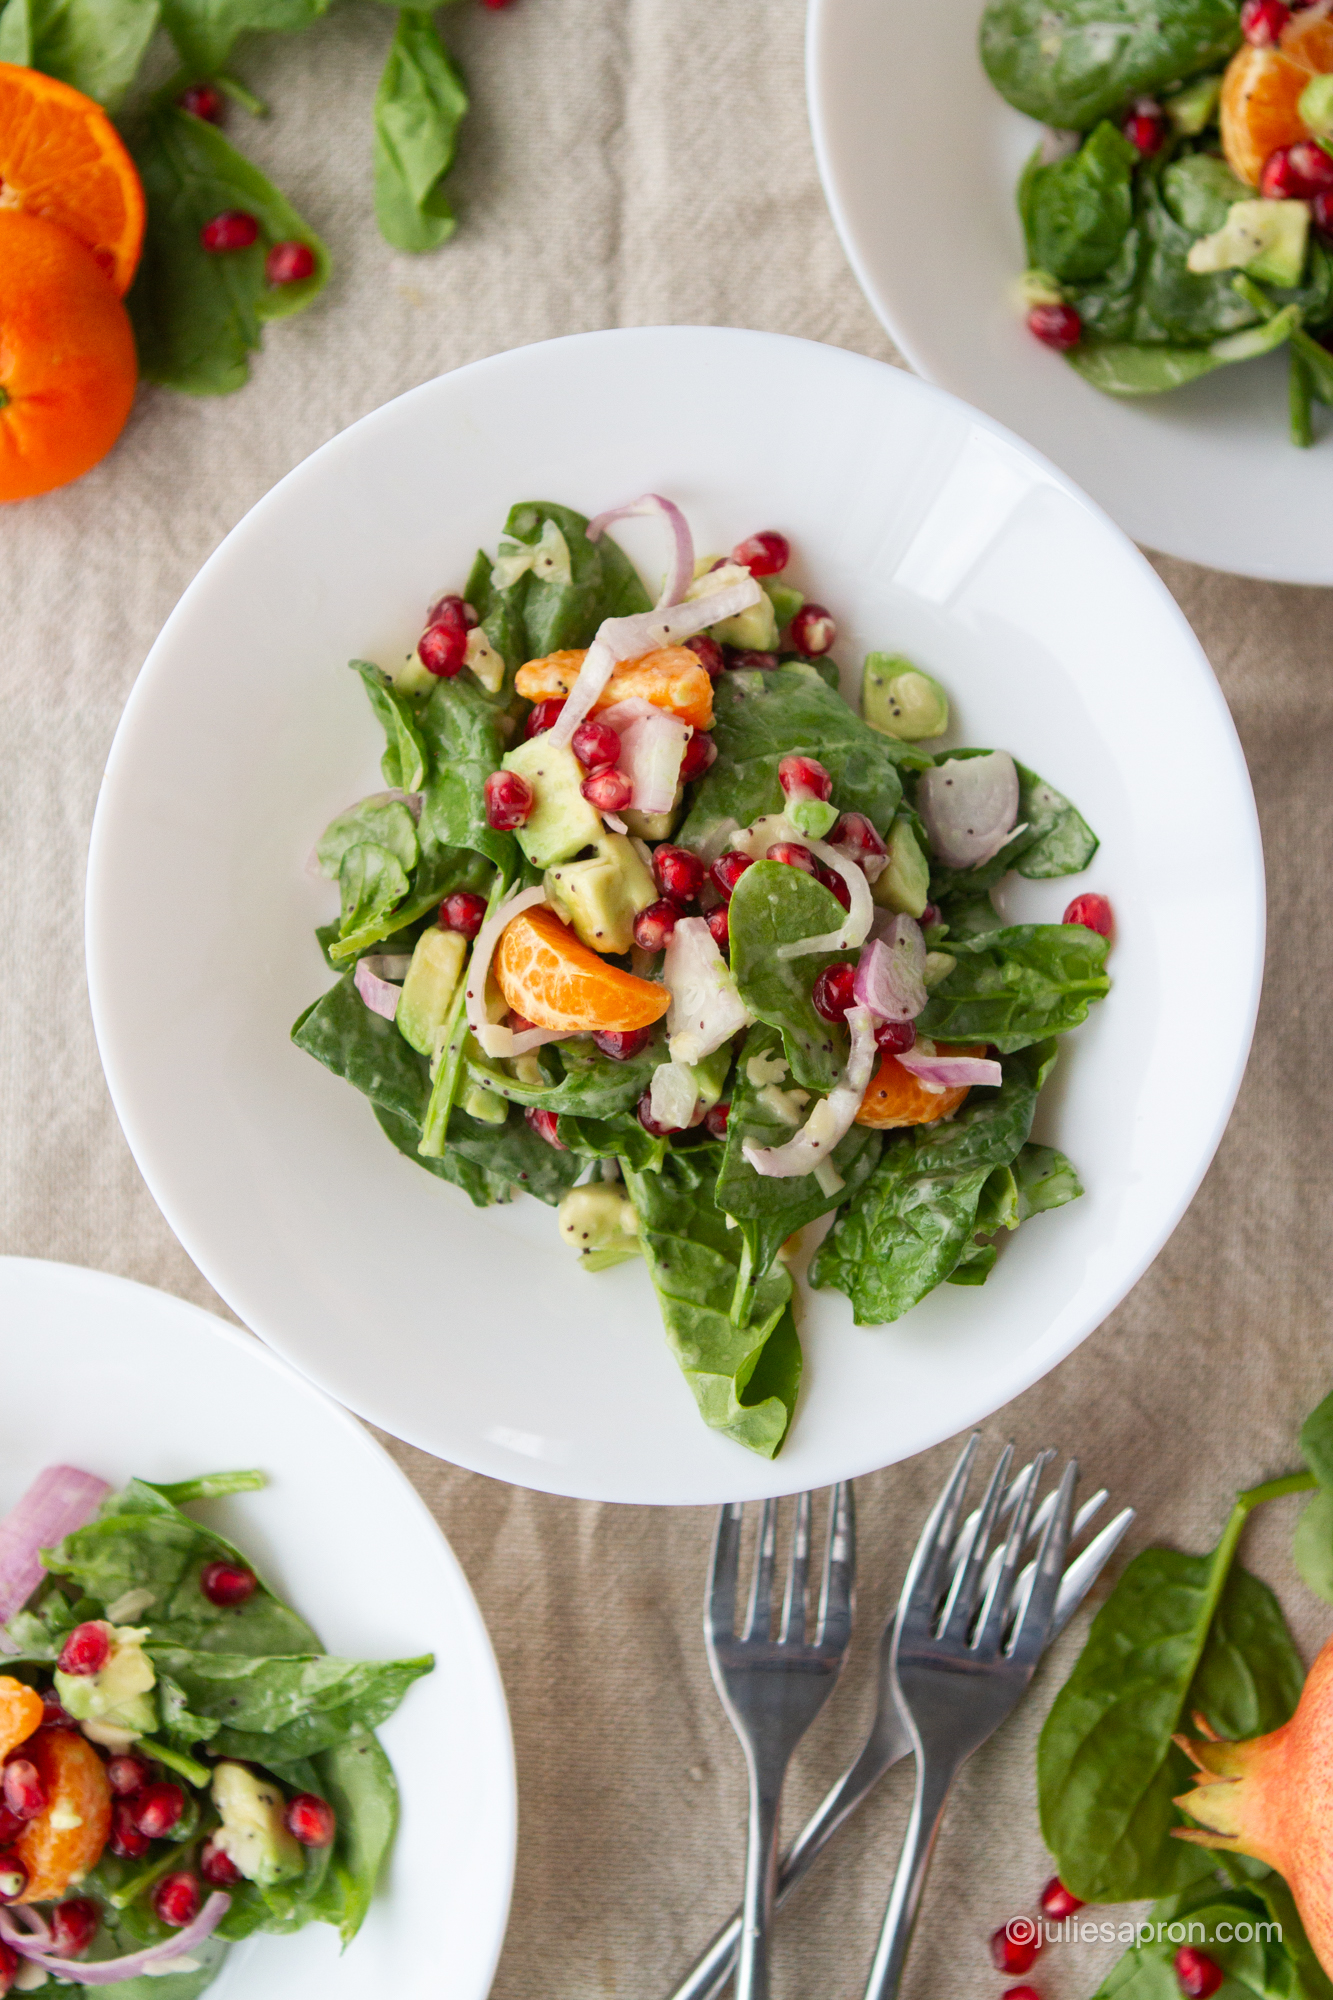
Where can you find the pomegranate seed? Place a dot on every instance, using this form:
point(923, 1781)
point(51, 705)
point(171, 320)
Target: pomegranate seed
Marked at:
point(834, 883)
point(23, 1790)
point(1020, 1993)
point(203, 101)
point(288, 263)
point(509, 800)
point(13, 1878)
point(226, 1584)
point(719, 927)
point(9, 1966)
point(1056, 326)
point(232, 230)
point(1093, 912)
point(462, 912)
point(832, 992)
point(311, 1820)
point(176, 1899)
point(727, 870)
point(442, 649)
point(1014, 1947)
point(710, 654)
point(929, 916)
point(519, 1024)
point(10, 1826)
point(1198, 1974)
point(700, 753)
point(854, 832)
point(74, 1926)
point(813, 630)
point(653, 926)
point(620, 1045)
point(216, 1866)
point(715, 1120)
point(157, 1808)
point(87, 1649)
point(126, 1839)
point(678, 873)
point(542, 717)
point(1057, 1901)
point(595, 744)
point(644, 1112)
point(127, 1775)
point(608, 789)
point(53, 1713)
point(895, 1038)
point(496, 5)
point(544, 1124)
point(1296, 172)
point(765, 554)
point(1262, 21)
point(1146, 127)
point(804, 778)
point(748, 656)
point(792, 854)
point(451, 609)
point(1322, 205)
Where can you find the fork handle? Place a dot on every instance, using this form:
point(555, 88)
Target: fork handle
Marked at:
point(761, 1882)
point(933, 1782)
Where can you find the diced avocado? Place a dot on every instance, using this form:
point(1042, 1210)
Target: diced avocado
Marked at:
point(899, 700)
point(599, 1222)
point(562, 821)
point(1265, 239)
point(429, 988)
point(114, 1707)
point(710, 1075)
point(653, 826)
point(252, 1834)
point(485, 662)
point(939, 964)
point(601, 897)
point(904, 882)
point(1315, 106)
point(786, 602)
point(1193, 108)
point(409, 676)
point(813, 817)
point(756, 628)
point(485, 1105)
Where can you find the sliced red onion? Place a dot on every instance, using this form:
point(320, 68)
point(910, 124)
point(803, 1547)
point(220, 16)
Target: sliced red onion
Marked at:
point(706, 1009)
point(380, 995)
point(891, 972)
point(652, 745)
point(763, 833)
point(680, 575)
point(494, 1039)
point(854, 929)
point(969, 805)
point(939, 1072)
point(615, 822)
point(111, 1971)
point(833, 1116)
point(59, 1500)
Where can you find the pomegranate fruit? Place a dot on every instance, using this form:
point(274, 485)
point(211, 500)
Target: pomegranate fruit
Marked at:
point(620, 1044)
point(750, 656)
point(217, 1867)
point(442, 649)
point(678, 873)
point(234, 229)
point(708, 653)
point(1322, 206)
point(543, 716)
point(1056, 1900)
point(1262, 21)
point(895, 1038)
point(126, 1775)
point(227, 1584)
point(203, 100)
point(1196, 1973)
point(1056, 326)
point(87, 1649)
point(813, 630)
point(125, 1838)
point(804, 778)
point(854, 832)
point(653, 926)
point(1014, 1947)
point(727, 870)
point(764, 554)
point(792, 855)
point(1093, 912)
point(595, 744)
point(74, 1926)
point(545, 1124)
point(719, 927)
point(1146, 127)
point(23, 1792)
point(176, 1899)
point(608, 789)
point(700, 754)
point(157, 1808)
point(311, 1820)
point(834, 883)
point(832, 993)
point(644, 1112)
point(451, 609)
point(1020, 1993)
point(1296, 173)
point(509, 801)
point(9, 1967)
point(715, 1121)
point(462, 912)
point(288, 263)
point(10, 1825)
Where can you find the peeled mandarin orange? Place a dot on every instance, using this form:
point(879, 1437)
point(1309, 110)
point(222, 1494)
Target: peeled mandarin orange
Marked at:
point(67, 360)
point(62, 158)
point(552, 980)
point(20, 1714)
point(1261, 91)
point(670, 678)
point(895, 1097)
point(77, 1790)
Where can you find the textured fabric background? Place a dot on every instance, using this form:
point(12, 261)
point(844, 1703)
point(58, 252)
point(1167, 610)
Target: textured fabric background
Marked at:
point(629, 162)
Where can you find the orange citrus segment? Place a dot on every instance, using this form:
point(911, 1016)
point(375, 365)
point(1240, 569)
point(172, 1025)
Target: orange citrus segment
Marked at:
point(552, 980)
point(62, 158)
point(1261, 91)
point(20, 1714)
point(77, 1790)
point(671, 678)
point(895, 1097)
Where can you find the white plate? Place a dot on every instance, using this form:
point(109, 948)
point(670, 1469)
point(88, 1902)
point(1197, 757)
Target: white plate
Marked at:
point(125, 1381)
point(926, 528)
point(919, 157)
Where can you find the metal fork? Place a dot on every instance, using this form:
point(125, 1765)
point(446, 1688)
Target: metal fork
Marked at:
point(965, 1646)
point(772, 1689)
point(887, 1739)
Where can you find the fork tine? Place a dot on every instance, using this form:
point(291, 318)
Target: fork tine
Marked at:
point(1018, 1597)
point(759, 1616)
point(837, 1594)
point(1085, 1569)
point(720, 1603)
point(1007, 1506)
point(798, 1570)
point(995, 1605)
point(962, 1600)
point(923, 1584)
point(1033, 1626)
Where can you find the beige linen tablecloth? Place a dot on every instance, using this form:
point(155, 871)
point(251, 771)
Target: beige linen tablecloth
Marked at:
point(631, 162)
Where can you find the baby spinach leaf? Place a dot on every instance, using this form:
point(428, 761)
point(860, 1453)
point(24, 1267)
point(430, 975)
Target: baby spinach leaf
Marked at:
point(551, 615)
point(1121, 368)
point(1015, 986)
point(1070, 63)
point(1312, 1543)
point(274, 1710)
point(1262, 1967)
point(1199, 189)
point(357, 1779)
point(205, 31)
point(773, 904)
point(460, 733)
point(621, 1137)
point(16, 33)
point(481, 1188)
point(404, 761)
point(372, 883)
point(199, 315)
point(577, 1078)
point(513, 1152)
point(437, 874)
point(1044, 1179)
point(419, 107)
point(742, 1388)
point(385, 822)
point(96, 45)
point(1317, 1442)
point(1076, 211)
point(341, 1032)
point(1056, 840)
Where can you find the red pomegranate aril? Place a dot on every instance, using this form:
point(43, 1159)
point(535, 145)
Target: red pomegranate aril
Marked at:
point(463, 912)
point(764, 554)
point(87, 1649)
point(10, 1826)
point(1312, 167)
point(595, 744)
point(74, 1926)
point(621, 1044)
point(895, 1038)
point(53, 1713)
point(1093, 912)
point(854, 831)
point(608, 789)
point(1196, 1973)
point(1262, 21)
point(157, 1808)
point(496, 5)
point(1014, 1947)
point(1146, 127)
point(727, 870)
point(9, 1965)
point(227, 1584)
point(653, 926)
point(1322, 207)
point(451, 609)
point(518, 1024)
point(1020, 1993)
point(738, 657)
point(710, 654)
point(813, 630)
point(700, 755)
point(288, 263)
point(542, 717)
point(311, 1820)
point(716, 1120)
point(835, 884)
point(216, 1866)
point(1057, 1901)
point(23, 1791)
point(644, 1112)
point(126, 1775)
point(176, 1899)
point(793, 855)
point(1056, 326)
point(232, 230)
point(719, 927)
point(13, 1878)
point(442, 649)
point(545, 1124)
point(509, 801)
point(832, 993)
point(202, 100)
point(804, 778)
point(126, 1839)
point(929, 917)
point(678, 873)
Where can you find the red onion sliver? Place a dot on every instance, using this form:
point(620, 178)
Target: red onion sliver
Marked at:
point(891, 972)
point(111, 1971)
point(706, 1008)
point(652, 748)
point(832, 1117)
point(380, 995)
point(680, 575)
point(948, 1072)
point(969, 805)
point(59, 1500)
point(854, 929)
point(496, 1040)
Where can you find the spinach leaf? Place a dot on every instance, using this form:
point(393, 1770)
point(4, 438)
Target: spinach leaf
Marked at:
point(385, 822)
point(419, 107)
point(906, 1227)
point(1044, 1179)
point(1199, 189)
point(621, 1137)
point(1040, 1178)
point(1070, 63)
point(96, 45)
point(16, 33)
point(500, 621)
point(1312, 1543)
point(1262, 1967)
point(372, 884)
point(513, 1152)
point(117, 1937)
point(1056, 840)
point(1015, 986)
point(272, 1711)
point(577, 1078)
point(761, 717)
point(745, 1381)
point(773, 904)
point(404, 761)
point(549, 615)
point(341, 1032)
point(197, 316)
point(460, 733)
point(1076, 211)
point(482, 1189)
point(437, 874)
point(357, 1779)
point(205, 31)
point(1122, 368)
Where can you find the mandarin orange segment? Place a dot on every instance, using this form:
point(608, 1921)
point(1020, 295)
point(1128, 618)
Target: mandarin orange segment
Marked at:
point(20, 1714)
point(895, 1097)
point(552, 980)
point(62, 158)
point(1260, 93)
point(77, 1790)
point(670, 678)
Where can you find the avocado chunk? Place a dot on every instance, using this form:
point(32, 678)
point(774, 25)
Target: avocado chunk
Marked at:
point(601, 897)
point(485, 1105)
point(786, 602)
point(252, 1834)
point(756, 628)
point(599, 1222)
point(1265, 239)
point(904, 881)
point(899, 700)
point(114, 1706)
point(653, 826)
point(429, 989)
point(562, 821)
point(410, 676)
